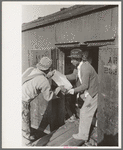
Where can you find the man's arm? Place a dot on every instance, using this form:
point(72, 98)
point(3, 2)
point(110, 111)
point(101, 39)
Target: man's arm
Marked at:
point(72, 76)
point(85, 82)
point(45, 88)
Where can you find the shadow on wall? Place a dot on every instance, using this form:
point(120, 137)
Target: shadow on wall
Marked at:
point(109, 140)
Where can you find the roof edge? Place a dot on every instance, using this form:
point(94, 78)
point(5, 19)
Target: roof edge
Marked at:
point(66, 14)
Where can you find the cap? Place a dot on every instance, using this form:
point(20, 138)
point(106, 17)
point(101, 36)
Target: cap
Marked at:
point(76, 53)
point(44, 64)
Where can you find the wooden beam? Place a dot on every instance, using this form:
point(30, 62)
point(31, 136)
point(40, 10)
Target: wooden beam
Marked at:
point(72, 142)
point(63, 137)
point(46, 140)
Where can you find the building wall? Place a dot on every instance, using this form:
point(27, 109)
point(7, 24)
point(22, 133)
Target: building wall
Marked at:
point(42, 39)
point(108, 96)
point(97, 26)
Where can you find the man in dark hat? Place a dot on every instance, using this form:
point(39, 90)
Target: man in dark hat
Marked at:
point(77, 55)
point(34, 82)
point(87, 89)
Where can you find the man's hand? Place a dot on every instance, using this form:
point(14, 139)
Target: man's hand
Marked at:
point(50, 74)
point(63, 89)
point(71, 91)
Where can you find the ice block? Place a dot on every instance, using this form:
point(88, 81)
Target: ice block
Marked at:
point(61, 80)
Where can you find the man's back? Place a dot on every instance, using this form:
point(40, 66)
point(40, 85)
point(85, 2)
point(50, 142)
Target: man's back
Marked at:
point(89, 74)
point(40, 83)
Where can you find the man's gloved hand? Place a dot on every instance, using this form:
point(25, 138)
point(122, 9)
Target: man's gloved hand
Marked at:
point(50, 74)
point(63, 89)
point(71, 91)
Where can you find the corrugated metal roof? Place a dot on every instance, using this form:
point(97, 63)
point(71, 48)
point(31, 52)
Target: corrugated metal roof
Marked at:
point(62, 15)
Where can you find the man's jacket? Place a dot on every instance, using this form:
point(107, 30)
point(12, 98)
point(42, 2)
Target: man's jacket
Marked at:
point(89, 79)
point(38, 84)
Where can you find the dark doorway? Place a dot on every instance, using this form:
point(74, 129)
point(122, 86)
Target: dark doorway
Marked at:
point(68, 66)
point(93, 56)
point(70, 100)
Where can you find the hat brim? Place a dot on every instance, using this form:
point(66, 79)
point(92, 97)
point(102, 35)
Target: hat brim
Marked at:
point(69, 56)
point(75, 56)
point(41, 67)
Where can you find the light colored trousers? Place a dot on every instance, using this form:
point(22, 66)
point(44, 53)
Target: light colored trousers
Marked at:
point(86, 115)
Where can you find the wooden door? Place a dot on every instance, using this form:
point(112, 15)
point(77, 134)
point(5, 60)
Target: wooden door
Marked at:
point(58, 107)
point(58, 58)
point(108, 96)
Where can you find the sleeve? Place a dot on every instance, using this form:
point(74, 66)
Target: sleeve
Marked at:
point(85, 81)
point(48, 94)
point(72, 76)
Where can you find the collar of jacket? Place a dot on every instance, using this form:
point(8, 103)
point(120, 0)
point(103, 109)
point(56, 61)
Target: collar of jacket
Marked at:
point(41, 72)
point(80, 65)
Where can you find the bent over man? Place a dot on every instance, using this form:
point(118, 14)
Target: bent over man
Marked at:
point(34, 82)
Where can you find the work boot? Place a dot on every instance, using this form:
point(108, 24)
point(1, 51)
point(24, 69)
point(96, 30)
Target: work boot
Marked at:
point(77, 137)
point(72, 118)
point(28, 136)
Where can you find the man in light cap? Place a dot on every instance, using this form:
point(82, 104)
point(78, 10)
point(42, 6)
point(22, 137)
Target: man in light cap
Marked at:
point(86, 88)
point(34, 82)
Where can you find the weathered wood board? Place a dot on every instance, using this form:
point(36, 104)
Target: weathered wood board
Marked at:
point(59, 136)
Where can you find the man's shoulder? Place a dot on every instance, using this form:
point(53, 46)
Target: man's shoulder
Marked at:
point(75, 71)
point(40, 78)
point(86, 66)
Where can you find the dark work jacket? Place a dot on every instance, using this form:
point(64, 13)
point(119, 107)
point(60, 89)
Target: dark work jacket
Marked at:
point(89, 79)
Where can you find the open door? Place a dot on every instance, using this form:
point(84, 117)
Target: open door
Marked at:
point(62, 63)
point(58, 107)
point(58, 59)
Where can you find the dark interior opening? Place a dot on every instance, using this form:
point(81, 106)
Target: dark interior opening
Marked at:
point(68, 66)
point(93, 54)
